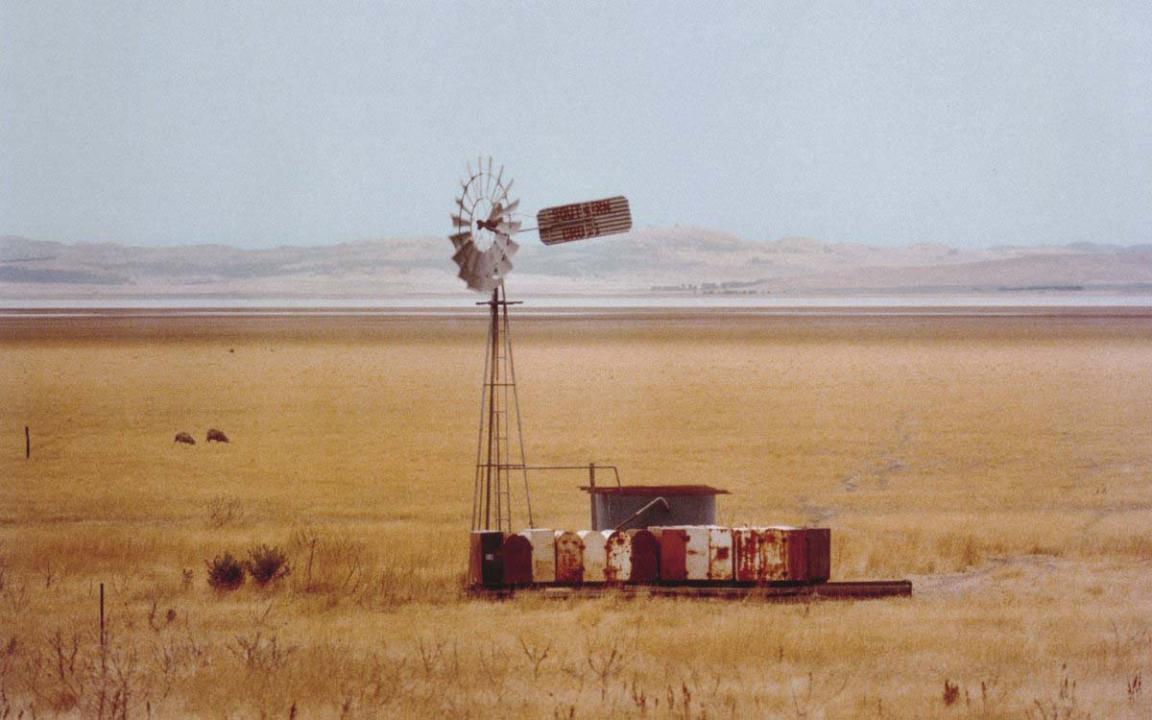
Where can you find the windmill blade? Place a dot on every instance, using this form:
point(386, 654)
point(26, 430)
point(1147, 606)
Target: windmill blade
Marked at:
point(484, 285)
point(483, 267)
point(462, 222)
point(462, 255)
point(510, 228)
point(508, 245)
point(499, 177)
point(460, 239)
point(472, 278)
point(511, 207)
point(504, 266)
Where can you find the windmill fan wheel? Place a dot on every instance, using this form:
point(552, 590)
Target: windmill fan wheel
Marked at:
point(484, 223)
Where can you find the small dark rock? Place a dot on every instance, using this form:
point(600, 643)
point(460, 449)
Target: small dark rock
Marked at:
point(183, 437)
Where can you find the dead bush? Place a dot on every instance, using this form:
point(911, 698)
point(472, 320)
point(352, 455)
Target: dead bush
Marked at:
point(267, 563)
point(225, 572)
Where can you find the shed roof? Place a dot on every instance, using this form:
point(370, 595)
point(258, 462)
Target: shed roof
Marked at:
point(654, 490)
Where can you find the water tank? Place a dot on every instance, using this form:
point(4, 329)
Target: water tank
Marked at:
point(642, 506)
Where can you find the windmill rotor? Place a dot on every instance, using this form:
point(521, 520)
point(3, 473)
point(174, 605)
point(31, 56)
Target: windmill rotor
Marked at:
point(484, 222)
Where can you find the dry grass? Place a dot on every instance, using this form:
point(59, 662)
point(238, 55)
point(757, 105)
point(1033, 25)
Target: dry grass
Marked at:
point(1004, 463)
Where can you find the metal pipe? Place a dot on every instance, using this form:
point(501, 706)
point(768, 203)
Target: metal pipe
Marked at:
point(641, 511)
point(583, 468)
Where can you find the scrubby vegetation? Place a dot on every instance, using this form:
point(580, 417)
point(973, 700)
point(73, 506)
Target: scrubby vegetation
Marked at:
point(267, 563)
point(225, 572)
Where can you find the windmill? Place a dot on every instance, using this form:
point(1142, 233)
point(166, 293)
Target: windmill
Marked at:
point(484, 220)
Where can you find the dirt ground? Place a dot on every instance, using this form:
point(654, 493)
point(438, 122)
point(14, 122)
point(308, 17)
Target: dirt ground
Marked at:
point(1001, 459)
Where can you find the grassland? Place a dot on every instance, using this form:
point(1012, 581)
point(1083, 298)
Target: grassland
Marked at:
point(1003, 463)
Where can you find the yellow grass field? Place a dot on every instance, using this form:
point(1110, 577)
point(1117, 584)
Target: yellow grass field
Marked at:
point(1003, 462)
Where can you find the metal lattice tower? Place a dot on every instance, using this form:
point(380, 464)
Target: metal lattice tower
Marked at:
point(500, 441)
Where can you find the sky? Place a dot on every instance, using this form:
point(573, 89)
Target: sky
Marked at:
point(266, 123)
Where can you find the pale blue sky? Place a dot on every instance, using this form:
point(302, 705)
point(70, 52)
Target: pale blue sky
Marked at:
point(259, 124)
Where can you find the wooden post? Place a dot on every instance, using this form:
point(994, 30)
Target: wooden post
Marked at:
point(27, 443)
point(101, 614)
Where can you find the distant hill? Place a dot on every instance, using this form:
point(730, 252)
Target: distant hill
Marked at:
point(647, 260)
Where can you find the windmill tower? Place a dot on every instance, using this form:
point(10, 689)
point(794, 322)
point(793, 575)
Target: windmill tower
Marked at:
point(484, 222)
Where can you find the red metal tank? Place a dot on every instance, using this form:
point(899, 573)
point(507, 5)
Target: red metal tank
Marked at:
point(645, 556)
point(673, 553)
point(517, 556)
point(807, 553)
point(819, 554)
point(794, 550)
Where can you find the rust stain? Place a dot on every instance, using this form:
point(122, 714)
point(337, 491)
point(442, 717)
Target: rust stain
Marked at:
point(618, 563)
point(569, 558)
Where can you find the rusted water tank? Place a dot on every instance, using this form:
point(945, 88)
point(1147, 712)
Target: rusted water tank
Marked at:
point(695, 553)
point(569, 558)
point(618, 556)
point(760, 555)
point(720, 565)
point(807, 553)
point(642, 506)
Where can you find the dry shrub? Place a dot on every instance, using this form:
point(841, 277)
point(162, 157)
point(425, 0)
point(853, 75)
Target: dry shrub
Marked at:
point(951, 692)
point(224, 511)
point(225, 572)
point(267, 563)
